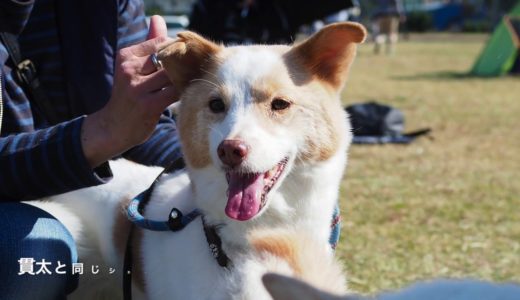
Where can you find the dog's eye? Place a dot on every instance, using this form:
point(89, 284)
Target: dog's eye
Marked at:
point(217, 105)
point(280, 104)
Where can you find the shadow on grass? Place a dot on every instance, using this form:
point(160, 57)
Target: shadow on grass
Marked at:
point(442, 75)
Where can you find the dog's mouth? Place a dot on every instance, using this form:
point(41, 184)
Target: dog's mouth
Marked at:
point(247, 192)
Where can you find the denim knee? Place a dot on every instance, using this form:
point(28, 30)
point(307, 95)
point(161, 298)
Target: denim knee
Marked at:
point(33, 246)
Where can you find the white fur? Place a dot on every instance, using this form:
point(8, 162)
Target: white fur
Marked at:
point(180, 265)
point(245, 66)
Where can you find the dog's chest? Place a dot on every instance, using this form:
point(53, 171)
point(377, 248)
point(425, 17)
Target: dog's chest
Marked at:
point(179, 264)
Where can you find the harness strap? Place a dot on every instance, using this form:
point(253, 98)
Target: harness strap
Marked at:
point(176, 220)
point(25, 73)
point(144, 198)
point(215, 244)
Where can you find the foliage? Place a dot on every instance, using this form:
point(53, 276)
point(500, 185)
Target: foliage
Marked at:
point(477, 26)
point(419, 21)
point(154, 10)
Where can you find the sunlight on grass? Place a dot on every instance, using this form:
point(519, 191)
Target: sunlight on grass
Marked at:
point(442, 207)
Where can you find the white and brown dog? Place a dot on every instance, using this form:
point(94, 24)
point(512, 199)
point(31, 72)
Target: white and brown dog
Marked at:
point(265, 140)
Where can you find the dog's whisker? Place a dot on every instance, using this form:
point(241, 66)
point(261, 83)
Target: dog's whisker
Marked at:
point(210, 73)
point(205, 81)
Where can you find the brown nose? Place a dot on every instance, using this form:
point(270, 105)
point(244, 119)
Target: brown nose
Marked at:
point(232, 152)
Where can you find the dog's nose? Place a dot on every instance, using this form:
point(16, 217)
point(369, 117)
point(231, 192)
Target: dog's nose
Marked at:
point(232, 152)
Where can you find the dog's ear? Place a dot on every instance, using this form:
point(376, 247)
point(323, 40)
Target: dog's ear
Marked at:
point(286, 288)
point(329, 53)
point(184, 58)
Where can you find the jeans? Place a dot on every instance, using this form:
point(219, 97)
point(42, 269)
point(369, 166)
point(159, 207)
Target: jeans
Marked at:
point(33, 246)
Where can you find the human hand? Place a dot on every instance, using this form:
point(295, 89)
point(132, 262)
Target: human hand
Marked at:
point(139, 96)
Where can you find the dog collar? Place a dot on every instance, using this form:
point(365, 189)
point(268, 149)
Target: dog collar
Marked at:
point(176, 220)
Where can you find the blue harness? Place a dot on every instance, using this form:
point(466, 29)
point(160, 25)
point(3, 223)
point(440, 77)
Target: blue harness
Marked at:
point(176, 220)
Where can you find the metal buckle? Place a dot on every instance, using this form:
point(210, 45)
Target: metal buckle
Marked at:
point(26, 71)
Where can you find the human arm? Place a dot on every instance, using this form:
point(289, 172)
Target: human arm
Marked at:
point(139, 97)
point(46, 162)
point(49, 161)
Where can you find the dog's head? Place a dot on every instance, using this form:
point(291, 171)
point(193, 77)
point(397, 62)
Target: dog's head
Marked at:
point(252, 112)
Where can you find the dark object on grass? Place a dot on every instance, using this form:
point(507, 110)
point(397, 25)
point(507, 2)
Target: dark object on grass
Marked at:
point(374, 123)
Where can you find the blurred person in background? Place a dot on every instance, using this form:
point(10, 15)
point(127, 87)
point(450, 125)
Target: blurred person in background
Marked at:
point(385, 26)
point(348, 14)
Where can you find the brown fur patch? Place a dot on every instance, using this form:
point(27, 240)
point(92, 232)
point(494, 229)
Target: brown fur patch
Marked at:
point(120, 233)
point(184, 58)
point(328, 132)
point(193, 123)
point(190, 63)
point(280, 246)
point(263, 93)
point(329, 53)
point(308, 258)
point(314, 111)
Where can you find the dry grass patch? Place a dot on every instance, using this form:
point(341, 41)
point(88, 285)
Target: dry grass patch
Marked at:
point(447, 207)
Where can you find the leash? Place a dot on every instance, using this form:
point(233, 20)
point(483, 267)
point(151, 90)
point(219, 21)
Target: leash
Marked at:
point(143, 199)
point(176, 222)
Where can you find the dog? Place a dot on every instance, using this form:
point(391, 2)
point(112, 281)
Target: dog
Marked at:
point(286, 288)
point(265, 139)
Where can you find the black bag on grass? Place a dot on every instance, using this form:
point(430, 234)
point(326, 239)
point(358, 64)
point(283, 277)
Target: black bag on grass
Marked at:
point(375, 123)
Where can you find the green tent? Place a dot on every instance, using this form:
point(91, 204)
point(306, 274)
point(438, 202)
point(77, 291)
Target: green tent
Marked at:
point(503, 48)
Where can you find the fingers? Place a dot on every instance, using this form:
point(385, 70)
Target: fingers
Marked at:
point(157, 38)
point(157, 27)
point(148, 66)
point(140, 54)
point(156, 81)
point(139, 65)
point(145, 48)
point(161, 99)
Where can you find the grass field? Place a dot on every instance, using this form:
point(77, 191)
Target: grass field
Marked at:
point(442, 207)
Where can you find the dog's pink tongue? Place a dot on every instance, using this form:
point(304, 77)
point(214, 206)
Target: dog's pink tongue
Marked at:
point(245, 192)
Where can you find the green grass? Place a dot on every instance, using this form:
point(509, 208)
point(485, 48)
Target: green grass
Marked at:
point(442, 207)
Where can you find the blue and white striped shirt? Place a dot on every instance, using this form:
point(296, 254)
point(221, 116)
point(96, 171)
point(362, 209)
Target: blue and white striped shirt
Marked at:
point(36, 159)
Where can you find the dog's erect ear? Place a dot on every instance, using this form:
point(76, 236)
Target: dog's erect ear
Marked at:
point(329, 53)
point(184, 58)
point(285, 288)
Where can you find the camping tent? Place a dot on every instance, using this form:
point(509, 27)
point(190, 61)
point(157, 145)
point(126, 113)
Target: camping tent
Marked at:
point(501, 54)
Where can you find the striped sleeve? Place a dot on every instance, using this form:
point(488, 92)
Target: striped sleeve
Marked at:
point(132, 27)
point(46, 162)
point(161, 148)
